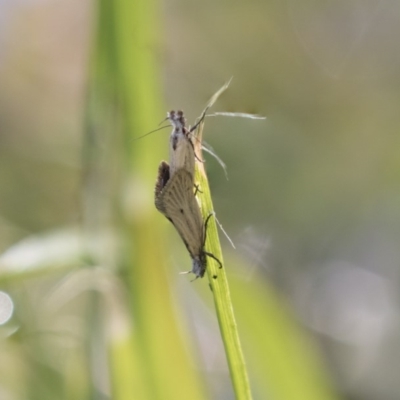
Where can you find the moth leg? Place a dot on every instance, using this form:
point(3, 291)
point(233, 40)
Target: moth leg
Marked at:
point(205, 227)
point(204, 242)
point(197, 158)
point(215, 258)
point(197, 190)
point(194, 151)
point(201, 119)
point(195, 126)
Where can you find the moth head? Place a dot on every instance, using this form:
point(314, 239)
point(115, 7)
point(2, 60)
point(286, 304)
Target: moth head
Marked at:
point(177, 120)
point(199, 265)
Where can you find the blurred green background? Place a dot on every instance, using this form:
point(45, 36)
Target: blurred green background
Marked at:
point(91, 302)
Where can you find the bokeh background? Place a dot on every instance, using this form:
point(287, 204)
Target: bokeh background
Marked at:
point(91, 302)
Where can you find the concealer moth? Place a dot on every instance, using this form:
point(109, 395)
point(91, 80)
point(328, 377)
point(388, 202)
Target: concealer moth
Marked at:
point(174, 198)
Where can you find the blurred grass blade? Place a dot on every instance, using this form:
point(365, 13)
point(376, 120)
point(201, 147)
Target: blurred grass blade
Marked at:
point(124, 102)
point(39, 254)
point(285, 362)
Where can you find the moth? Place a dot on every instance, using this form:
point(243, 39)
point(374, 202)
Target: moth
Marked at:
point(175, 199)
point(181, 149)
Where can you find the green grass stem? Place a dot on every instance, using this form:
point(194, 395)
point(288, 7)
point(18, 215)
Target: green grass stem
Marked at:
point(219, 285)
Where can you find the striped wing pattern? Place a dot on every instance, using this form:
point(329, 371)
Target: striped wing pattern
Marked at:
point(177, 202)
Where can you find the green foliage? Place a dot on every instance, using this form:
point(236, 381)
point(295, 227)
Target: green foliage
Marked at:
point(99, 311)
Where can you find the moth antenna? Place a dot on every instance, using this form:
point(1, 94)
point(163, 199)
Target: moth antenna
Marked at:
point(165, 119)
point(148, 133)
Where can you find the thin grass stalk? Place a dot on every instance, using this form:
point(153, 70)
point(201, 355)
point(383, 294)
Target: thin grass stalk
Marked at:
point(219, 284)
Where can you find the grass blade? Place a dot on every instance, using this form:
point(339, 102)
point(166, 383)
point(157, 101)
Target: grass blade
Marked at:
point(219, 285)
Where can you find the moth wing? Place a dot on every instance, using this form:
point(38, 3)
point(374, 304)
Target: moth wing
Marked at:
point(182, 153)
point(163, 177)
point(180, 205)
